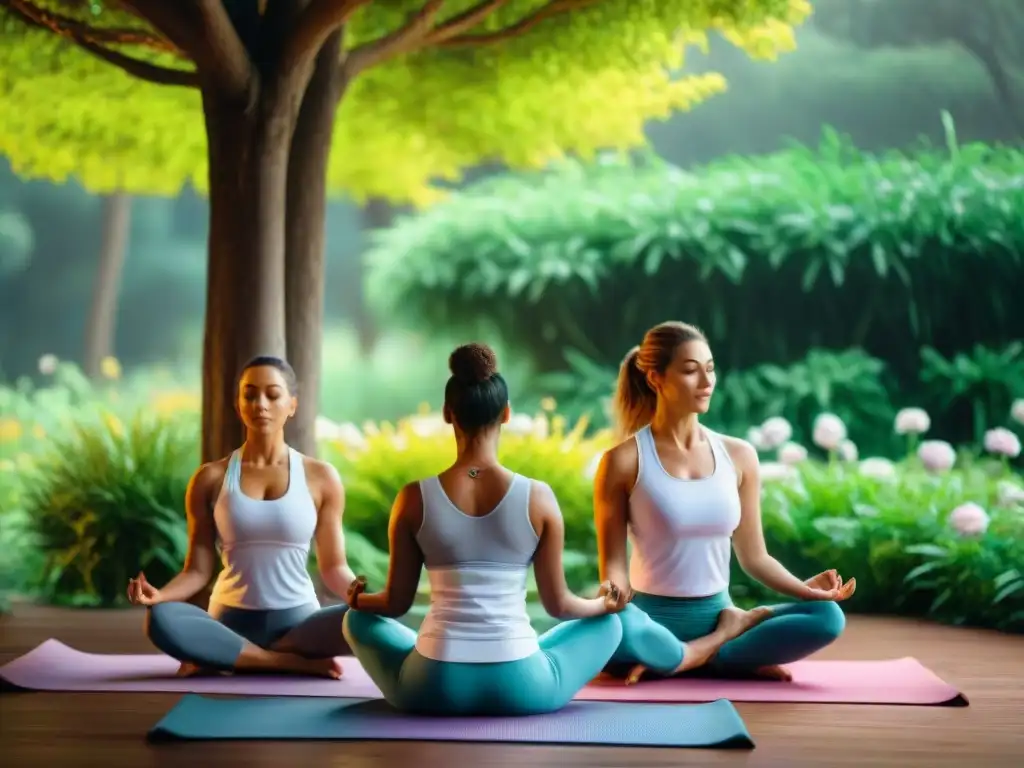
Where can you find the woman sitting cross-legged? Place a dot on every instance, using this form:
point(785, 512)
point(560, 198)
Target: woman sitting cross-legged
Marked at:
point(263, 505)
point(686, 496)
point(477, 527)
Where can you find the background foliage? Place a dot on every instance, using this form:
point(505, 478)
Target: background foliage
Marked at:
point(572, 266)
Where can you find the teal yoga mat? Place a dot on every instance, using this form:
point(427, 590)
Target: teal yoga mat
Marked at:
point(712, 725)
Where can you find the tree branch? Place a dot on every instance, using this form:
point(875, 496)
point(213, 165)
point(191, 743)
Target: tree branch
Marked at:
point(444, 39)
point(167, 18)
point(60, 23)
point(79, 34)
point(405, 39)
point(465, 21)
point(313, 27)
point(222, 56)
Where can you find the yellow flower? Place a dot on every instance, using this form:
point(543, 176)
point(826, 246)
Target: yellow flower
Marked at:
point(10, 430)
point(113, 424)
point(548, 404)
point(110, 367)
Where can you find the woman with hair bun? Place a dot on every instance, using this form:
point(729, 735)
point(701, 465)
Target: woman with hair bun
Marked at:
point(477, 527)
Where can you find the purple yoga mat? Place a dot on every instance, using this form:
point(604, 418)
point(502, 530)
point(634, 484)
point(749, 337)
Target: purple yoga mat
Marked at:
point(53, 666)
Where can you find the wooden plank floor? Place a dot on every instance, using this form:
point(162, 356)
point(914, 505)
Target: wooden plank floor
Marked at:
point(108, 730)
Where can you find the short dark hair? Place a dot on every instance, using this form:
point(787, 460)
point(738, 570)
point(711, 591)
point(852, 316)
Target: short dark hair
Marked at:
point(270, 361)
point(476, 394)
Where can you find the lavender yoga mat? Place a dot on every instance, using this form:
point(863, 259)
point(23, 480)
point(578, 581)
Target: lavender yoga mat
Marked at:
point(712, 725)
point(53, 666)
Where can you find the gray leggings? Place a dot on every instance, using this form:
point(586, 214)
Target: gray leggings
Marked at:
point(214, 639)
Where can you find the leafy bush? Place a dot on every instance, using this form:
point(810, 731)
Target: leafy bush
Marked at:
point(106, 501)
point(896, 536)
point(775, 255)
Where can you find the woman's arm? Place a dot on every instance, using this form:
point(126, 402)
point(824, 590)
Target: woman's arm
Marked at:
point(201, 557)
point(329, 536)
point(748, 539)
point(615, 475)
point(406, 559)
point(556, 597)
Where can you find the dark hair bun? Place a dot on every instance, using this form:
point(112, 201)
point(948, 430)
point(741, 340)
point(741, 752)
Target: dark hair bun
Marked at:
point(473, 363)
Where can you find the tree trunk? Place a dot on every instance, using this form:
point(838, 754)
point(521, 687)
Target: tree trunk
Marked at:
point(304, 253)
point(99, 327)
point(377, 215)
point(245, 313)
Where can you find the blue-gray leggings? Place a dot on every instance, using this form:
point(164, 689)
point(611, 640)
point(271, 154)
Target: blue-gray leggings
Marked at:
point(214, 639)
point(655, 631)
point(570, 656)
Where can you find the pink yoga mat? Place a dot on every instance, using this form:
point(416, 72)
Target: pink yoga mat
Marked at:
point(53, 666)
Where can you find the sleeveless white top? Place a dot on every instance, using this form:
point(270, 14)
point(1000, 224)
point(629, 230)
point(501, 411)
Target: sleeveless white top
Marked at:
point(265, 544)
point(478, 569)
point(681, 530)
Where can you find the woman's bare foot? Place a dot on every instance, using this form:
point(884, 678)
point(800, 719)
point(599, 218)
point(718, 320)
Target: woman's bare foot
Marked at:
point(774, 672)
point(318, 668)
point(733, 622)
point(188, 669)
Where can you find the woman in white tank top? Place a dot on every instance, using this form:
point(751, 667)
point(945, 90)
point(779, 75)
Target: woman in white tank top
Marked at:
point(685, 498)
point(261, 507)
point(477, 528)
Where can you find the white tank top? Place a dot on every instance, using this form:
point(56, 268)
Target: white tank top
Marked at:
point(477, 568)
point(265, 544)
point(681, 530)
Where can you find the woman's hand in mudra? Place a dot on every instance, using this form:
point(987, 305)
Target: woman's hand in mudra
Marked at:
point(615, 597)
point(355, 589)
point(828, 585)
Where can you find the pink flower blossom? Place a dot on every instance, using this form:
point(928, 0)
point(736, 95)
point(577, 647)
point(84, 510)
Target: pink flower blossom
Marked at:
point(912, 421)
point(1003, 442)
point(937, 455)
point(792, 453)
point(969, 519)
point(829, 431)
point(775, 432)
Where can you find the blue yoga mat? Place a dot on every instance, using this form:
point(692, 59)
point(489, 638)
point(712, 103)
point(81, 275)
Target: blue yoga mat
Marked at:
point(713, 725)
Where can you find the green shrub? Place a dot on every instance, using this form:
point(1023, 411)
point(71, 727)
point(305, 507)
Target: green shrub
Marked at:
point(773, 256)
point(105, 501)
point(895, 536)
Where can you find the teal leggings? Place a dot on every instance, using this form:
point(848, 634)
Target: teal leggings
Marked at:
point(570, 656)
point(655, 631)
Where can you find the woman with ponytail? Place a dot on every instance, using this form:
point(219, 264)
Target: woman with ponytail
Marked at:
point(686, 497)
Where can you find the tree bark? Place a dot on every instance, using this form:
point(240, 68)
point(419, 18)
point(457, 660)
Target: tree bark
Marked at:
point(245, 313)
point(304, 252)
point(101, 322)
point(377, 214)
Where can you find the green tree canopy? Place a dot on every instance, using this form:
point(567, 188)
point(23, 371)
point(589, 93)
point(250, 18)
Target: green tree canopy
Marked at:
point(531, 80)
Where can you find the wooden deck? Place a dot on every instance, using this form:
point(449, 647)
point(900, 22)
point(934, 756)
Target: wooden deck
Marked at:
point(108, 730)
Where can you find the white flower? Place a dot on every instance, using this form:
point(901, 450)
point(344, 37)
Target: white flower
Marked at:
point(1009, 493)
point(591, 469)
point(325, 429)
point(848, 450)
point(912, 421)
point(1003, 442)
point(519, 424)
point(349, 434)
point(428, 425)
point(756, 438)
point(775, 432)
point(829, 431)
point(1017, 410)
point(48, 365)
point(792, 453)
point(937, 455)
point(969, 519)
point(774, 471)
point(878, 468)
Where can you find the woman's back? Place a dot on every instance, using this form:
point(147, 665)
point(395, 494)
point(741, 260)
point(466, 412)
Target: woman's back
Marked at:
point(477, 553)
